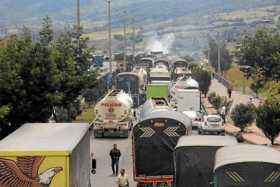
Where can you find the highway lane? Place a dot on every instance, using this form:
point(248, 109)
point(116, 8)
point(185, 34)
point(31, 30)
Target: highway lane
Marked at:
point(101, 148)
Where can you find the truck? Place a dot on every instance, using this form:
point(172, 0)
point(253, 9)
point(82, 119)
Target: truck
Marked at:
point(46, 154)
point(154, 139)
point(186, 95)
point(113, 115)
point(157, 90)
point(188, 99)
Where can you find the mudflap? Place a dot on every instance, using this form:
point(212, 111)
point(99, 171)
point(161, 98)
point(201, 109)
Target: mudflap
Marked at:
point(98, 134)
point(125, 134)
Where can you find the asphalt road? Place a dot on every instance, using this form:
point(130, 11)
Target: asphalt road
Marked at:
point(101, 148)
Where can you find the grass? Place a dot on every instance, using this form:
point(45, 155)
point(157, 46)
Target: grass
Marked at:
point(87, 116)
point(236, 78)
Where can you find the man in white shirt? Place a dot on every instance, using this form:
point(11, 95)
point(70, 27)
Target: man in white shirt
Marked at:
point(223, 113)
point(123, 179)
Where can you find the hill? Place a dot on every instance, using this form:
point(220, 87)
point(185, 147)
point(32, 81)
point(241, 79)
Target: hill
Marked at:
point(30, 12)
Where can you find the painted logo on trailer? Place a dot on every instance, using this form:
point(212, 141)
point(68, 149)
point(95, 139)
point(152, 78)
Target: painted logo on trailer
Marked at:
point(24, 172)
point(110, 105)
point(111, 110)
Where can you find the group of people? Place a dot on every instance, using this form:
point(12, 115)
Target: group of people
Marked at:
point(122, 180)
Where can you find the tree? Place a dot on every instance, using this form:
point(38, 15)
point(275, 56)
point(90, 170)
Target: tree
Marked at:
point(225, 57)
point(243, 115)
point(46, 34)
point(261, 51)
point(73, 62)
point(268, 119)
point(37, 78)
point(203, 77)
point(28, 80)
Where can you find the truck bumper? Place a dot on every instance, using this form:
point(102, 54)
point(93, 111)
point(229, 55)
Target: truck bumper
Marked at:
point(122, 133)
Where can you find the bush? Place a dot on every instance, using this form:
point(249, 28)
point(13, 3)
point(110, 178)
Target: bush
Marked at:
point(242, 115)
point(211, 96)
point(218, 101)
point(268, 119)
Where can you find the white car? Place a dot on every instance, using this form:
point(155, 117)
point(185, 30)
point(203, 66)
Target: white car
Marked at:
point(212, 124)
point(196, 118)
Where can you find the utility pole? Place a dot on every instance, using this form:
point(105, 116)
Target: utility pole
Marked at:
point(208, 55)
point(109, 37)
point(219, 53)
point(78, 22)
point(124, 42)
point(219, 59)
point(133, 41)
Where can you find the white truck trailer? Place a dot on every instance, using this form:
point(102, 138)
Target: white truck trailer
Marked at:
point(186, 95)
point(114, 115)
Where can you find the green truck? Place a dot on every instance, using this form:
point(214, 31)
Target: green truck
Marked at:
point(157, 91)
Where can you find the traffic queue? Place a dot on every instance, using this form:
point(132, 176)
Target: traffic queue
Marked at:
point(167, 108)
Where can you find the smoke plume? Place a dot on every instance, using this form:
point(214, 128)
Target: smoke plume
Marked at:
point(163, 43)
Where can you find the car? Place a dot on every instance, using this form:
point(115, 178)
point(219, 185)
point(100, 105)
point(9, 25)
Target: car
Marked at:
point(195, 116)
point(212, 124)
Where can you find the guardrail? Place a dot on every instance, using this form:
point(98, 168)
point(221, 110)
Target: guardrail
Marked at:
point(221, 79)
point(226, 84)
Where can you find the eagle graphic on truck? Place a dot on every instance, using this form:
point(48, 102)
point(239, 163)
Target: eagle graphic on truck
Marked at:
point(24, 172)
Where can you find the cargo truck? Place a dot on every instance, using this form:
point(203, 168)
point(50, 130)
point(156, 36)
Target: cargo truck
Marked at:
point(46, 155)
point(186, 95)
point(114, 114)
point(154, 139)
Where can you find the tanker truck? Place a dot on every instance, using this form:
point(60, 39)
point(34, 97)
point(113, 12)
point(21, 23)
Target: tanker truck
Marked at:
point(113, 115)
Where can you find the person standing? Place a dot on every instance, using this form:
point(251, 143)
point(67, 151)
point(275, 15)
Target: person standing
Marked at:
point(229, 90)
point(223, 113)
point(115, 155)
point(123, 179)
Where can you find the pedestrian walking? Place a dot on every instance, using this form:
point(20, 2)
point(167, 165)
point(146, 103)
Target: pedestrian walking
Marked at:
point(123, 179)
point(115, 155)
point(223, 113)
point(229, 90)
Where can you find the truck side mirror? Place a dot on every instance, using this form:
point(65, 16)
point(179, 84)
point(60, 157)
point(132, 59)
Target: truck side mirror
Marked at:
point(93, 166)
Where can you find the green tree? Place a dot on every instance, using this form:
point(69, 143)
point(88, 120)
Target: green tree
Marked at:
point(243, 115)
point(38, 79)
point(73, 62)
point(225, 57)
point(203, 77)
point(27, 82)
point(218, 102)
point(262, 52)
point(46, 34)
point(268, 119)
